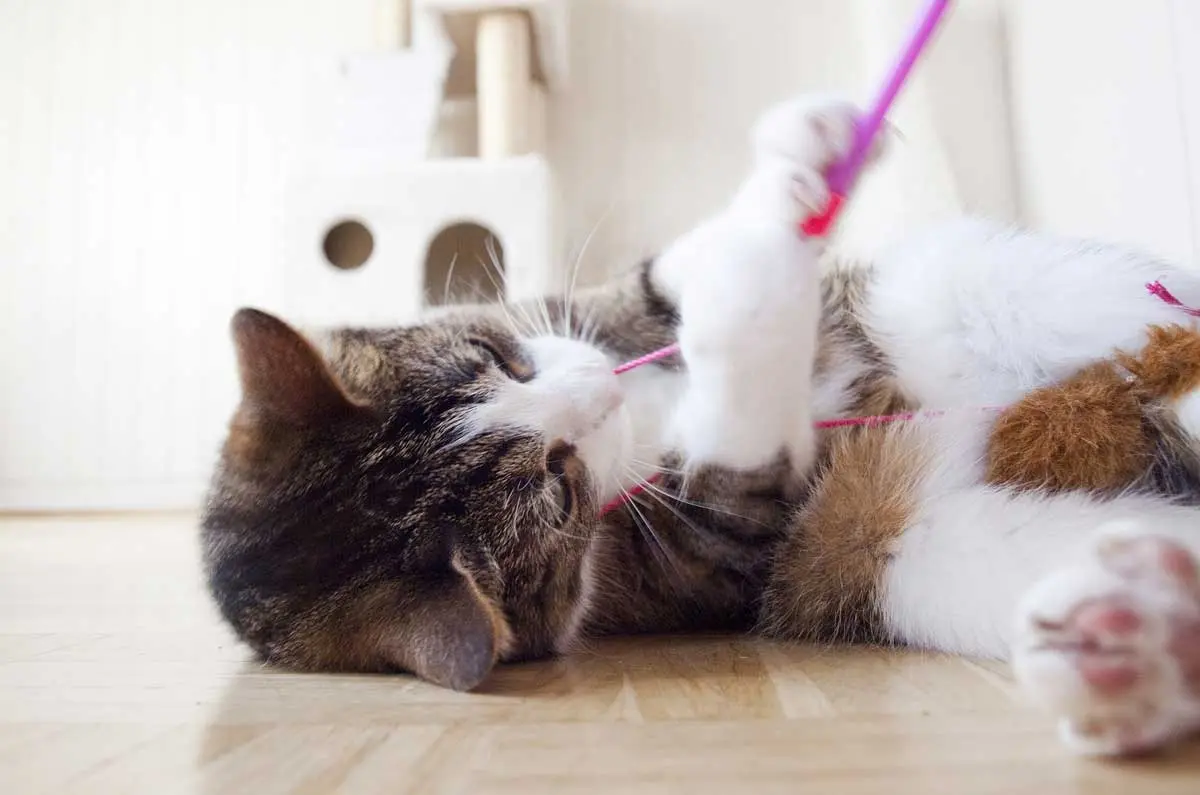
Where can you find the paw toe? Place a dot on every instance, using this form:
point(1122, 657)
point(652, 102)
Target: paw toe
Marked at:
point(1151, 559)
point(1113, 646)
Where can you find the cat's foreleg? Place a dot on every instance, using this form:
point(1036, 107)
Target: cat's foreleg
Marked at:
point(748, 290)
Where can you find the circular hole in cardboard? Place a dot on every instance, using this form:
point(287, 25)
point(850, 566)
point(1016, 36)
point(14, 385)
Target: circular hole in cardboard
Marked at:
point(348, 245)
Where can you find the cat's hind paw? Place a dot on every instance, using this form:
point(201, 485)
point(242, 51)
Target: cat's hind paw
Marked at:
point(1112, 645)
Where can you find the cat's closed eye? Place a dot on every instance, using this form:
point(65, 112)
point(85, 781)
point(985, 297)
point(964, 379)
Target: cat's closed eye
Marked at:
point(560, 478)
point(502, 362)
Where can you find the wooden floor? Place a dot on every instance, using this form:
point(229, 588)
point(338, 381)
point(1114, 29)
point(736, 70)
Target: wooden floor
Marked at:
point(115, 677)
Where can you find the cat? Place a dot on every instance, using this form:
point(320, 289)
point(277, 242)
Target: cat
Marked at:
point(427, 499)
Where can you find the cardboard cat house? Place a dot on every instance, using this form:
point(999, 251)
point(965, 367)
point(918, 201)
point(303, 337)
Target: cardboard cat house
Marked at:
point(435, 177)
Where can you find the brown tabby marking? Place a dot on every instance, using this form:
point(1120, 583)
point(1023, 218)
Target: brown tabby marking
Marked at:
point(825, 579)
point(349, 527)
point(843, 341)
point(692, 553)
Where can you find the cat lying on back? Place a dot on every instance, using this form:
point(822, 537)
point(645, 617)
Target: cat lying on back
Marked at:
point(426, 499)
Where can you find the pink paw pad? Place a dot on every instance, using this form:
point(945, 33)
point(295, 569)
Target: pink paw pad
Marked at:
point(1106, 618)
point(1114, 646)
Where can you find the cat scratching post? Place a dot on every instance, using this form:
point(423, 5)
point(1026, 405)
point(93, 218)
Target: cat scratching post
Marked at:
point(504, 84)
point(383, 182)
point(393, 25)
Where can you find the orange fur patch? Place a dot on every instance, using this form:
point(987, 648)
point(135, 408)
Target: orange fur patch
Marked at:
point(1091, 431)
point(1084, 433)
point(1169, 365)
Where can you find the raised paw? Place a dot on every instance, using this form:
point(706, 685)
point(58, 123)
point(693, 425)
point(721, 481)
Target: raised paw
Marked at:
point(802, 137)
point(1112, 645)
point(810, 131)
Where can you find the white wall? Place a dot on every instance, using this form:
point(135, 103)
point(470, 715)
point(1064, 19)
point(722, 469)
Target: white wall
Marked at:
point(1106, 108)
point(652, 132)
point(144, 144)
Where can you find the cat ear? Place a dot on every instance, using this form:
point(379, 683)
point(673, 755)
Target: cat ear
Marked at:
point(448, 633)
point(282, 374)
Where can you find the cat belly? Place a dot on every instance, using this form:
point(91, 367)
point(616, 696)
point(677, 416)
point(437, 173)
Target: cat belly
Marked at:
point(973, 313)
point(902, 540)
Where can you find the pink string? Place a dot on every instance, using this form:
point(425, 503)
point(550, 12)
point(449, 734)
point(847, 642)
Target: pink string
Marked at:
point(626, 496)
point(652, 356)
point(1162, 293)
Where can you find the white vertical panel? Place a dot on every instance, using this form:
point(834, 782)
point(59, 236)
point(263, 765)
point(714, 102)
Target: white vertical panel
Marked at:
point(1185, 29)
point(651, 132)
point(144, 148)
point(1097, 123)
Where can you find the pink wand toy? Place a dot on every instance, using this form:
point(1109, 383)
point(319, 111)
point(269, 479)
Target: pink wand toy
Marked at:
point(842, 176)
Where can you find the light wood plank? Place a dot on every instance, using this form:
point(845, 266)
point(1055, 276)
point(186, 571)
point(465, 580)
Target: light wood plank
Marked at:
point(116, 677)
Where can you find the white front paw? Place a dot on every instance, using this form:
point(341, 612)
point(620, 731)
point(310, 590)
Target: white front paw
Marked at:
point(1112, 646)
point(810, 131)
point(801, 138)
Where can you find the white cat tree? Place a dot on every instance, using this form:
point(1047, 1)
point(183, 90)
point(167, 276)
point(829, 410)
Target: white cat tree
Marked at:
point(444, 127)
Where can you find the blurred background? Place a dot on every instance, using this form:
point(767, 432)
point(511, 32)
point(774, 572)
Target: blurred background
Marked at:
point(165, 162)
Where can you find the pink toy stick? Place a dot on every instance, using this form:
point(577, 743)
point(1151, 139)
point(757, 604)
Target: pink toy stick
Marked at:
point(843, 175)
point(653, 356)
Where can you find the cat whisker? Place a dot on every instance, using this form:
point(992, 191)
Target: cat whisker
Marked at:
point(651, 486)
point(558, 531)
point(516, 327)
point(655, 489)
point(449, 279)
point(577, 266)
point(467, 434)
point(656, 466)
point(513, 325)
point(495, 265)
point(662, 500)
point(665, 557)
point(513, 532)
point(490, 301)
point(590, 327)
point(544, 312)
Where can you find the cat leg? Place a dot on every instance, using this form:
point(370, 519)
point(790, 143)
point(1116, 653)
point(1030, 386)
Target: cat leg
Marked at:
point(747, 286)
point(1112, 644)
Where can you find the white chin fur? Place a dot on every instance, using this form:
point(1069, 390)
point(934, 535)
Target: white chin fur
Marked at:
point(606, 452)
point(573, 397)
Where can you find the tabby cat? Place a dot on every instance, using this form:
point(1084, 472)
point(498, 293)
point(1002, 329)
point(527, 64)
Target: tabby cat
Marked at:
point(428, 499)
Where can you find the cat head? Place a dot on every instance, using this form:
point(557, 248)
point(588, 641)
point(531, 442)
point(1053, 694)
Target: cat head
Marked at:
point(420, 499)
